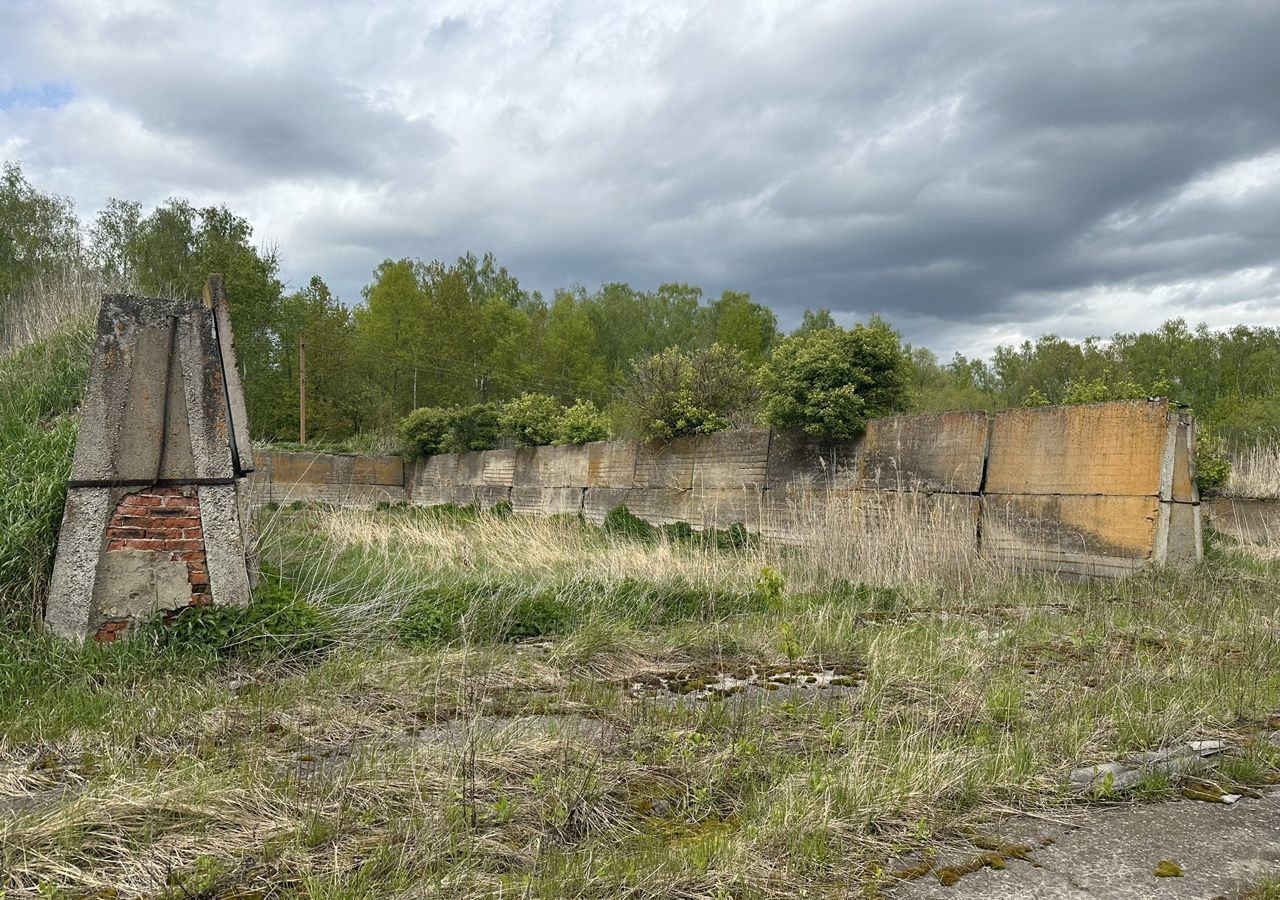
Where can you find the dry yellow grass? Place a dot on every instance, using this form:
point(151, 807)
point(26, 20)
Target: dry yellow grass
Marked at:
point(47, 307)
point(1255, 473)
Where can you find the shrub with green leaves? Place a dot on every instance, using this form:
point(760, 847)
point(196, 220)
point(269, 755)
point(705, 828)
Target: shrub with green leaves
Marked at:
point(531, 420)
point(431, 430)
point(624, 523)
point(1213, 465)
point(829, 382)
point(423, 431)
point(472, 427)
point(675, 394)
point(582, 423)
point(1102, 390)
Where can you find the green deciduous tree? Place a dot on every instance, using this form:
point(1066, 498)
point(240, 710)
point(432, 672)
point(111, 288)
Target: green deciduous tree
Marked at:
point(39, 233)
point(815, 321)
point(829, 382)
point(748, 327)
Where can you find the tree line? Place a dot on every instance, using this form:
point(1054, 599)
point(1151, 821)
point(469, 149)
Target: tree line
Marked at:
point(466, 340)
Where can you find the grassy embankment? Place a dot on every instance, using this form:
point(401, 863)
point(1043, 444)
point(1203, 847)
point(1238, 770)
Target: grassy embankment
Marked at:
point(45, 346)
point(474, 705)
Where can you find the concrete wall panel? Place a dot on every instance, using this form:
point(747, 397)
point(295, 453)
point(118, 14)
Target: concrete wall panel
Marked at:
point(487, 496)
point(302, 468)
point(553, 501)
point(497, 468)
point(432, 477)
point(470, 468)
point(799, 462)
point(383, 470)
point(666, 465)
point(1251, 521)
point(730, 460)
point(722, 507)
point(943, 452)
point(527, 500)
point(660, 507)
point(1115, 449)
point(1085, 535)
point(549, 467)
point(941, 529)
point(611, 464)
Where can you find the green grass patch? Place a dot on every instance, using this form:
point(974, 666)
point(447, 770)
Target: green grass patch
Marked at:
point(40, 387)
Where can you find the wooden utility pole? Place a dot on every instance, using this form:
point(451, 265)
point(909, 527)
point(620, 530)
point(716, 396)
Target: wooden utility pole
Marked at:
point(302, 391)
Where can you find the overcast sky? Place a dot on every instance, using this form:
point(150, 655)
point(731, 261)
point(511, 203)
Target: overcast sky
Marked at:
point(977, 172)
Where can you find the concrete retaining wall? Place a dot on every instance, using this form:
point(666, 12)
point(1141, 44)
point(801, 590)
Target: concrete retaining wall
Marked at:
point(283, 477)
point(1247, 520)
point(1101, 489)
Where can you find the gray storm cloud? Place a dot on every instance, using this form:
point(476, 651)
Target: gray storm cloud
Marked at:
point(975, 172)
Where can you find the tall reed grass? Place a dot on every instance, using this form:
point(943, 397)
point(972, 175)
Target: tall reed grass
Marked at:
point(46, 342)
point(1255, 473)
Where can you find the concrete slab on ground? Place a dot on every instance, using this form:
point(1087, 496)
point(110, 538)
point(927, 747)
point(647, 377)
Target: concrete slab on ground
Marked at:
point(1110, 853)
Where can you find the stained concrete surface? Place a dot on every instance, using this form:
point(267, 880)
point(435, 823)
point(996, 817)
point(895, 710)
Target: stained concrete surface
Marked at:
point(137, 583)
point(1111, 852)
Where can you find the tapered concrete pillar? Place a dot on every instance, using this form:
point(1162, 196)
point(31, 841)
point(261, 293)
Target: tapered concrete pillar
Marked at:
point(156, 517)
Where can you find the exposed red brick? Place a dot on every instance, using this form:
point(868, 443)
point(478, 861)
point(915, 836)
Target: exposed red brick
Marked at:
point(110, 631)
point(161, 520)
point(140, 500)
point(181, 522)
point(136, 544)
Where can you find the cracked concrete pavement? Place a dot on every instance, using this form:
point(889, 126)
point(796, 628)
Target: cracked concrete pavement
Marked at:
point(1111, 852)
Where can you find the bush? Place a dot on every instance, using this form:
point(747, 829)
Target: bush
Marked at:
point(828, 383)
point(1101, 390)
point(1213, 466)
point(531, 420)
point(624, 523)
point(423, 431)
point(472, 428)
point(431, 430)
point(674, 394)
point(582, 423)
